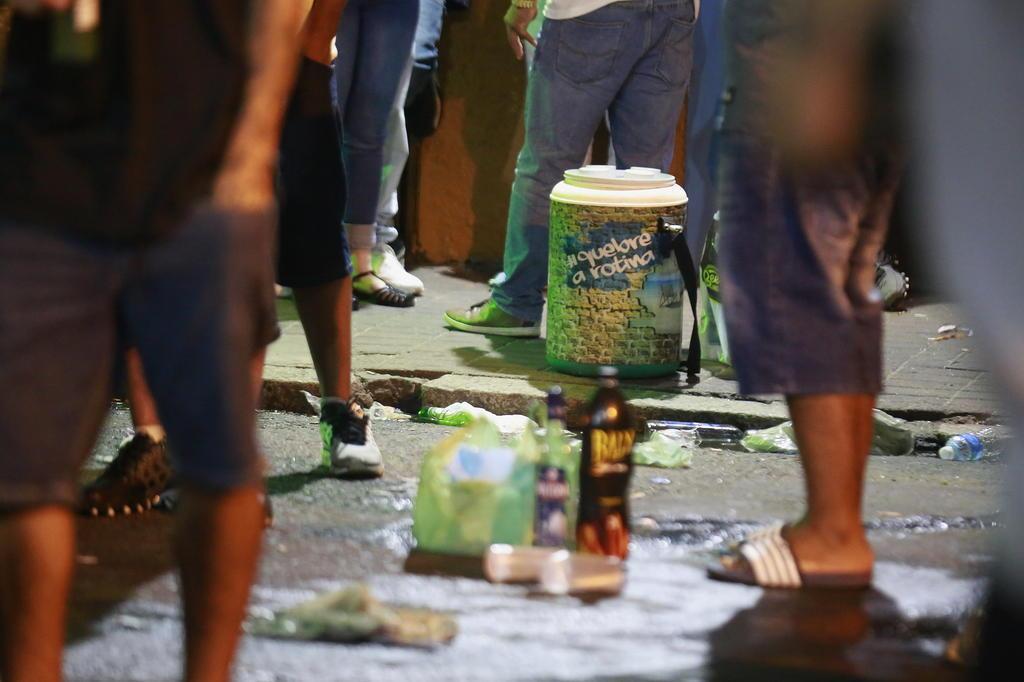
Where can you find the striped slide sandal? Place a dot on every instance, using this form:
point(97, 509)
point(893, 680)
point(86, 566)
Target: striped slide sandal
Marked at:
point(765, 559)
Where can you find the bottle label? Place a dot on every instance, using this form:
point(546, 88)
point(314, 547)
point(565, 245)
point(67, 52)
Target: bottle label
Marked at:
point(975, 444)
point(551, 524)
point(609, 451)
point(603, 524)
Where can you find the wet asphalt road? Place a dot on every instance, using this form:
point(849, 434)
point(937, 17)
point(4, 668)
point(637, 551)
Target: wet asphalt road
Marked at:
point(931, 526)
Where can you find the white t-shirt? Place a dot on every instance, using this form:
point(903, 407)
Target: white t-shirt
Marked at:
point(570, 9)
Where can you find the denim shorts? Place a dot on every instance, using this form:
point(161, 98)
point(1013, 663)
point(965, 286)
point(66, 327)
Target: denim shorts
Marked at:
point(797, 264)
point(197, 306)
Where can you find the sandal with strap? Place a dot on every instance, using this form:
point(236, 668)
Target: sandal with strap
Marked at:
point(764, 559)
point(387, 295)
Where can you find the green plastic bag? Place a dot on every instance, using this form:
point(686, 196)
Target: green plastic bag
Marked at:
point(662, 451)
point(354, 615)
point(891, 437)
point(476, 490)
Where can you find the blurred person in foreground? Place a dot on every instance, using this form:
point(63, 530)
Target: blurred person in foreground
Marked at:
point(808, 171)
point(136, 207)
point(968, 95)
point(313, 261)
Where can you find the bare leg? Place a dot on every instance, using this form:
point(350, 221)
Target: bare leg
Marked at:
point(36, 561)
point(364, 263)
point(140, 400)
point(321, 25)
point(219, 547)
point(256, 375)
point(834, 435)
point(326, 315)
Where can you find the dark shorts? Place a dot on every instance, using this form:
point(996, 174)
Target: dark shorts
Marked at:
point(197, 306)
point(797, 256)
point(312, 248)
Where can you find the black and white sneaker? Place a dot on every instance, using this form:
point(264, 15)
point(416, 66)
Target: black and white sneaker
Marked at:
point(133, 482)
point(349, 450)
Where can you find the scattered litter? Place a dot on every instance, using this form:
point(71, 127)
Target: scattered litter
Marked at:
point(509, 564)
point(462, 414)
point(313, 401)
point(647, 523)
point(970, 447)
point(776, 439)
point(951, 331)
point(354, 615)
point(557, 571)
point(662, 450)
point(566, 572)
point(696, 434)
point(660, 480)
point(476, 490)
point(892, 437)
point(379, 413)
point(893, 285)
point(128, 622)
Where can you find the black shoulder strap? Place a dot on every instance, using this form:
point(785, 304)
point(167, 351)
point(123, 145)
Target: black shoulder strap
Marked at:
point(689, 272)
point(685, 263)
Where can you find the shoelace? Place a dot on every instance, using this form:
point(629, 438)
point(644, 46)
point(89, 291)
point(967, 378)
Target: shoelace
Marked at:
point(347, 426)
point(479, 306)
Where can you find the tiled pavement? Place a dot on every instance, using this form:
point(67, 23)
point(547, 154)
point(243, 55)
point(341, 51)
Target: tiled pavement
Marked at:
point(925, 379)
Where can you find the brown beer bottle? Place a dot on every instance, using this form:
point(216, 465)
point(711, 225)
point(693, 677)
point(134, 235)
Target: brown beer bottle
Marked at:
point(605, 469)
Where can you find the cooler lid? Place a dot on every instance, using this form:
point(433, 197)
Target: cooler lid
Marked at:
point(610, 177)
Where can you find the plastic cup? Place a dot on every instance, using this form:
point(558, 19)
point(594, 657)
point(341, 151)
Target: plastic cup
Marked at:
point(565, 572)
point(508, 564)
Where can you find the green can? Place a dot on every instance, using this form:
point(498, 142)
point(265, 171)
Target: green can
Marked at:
point(615, 294)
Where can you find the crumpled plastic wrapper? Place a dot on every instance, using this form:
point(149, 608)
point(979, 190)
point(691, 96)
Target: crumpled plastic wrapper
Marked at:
point(661, 450)
point(353, 615)
point(892, 437)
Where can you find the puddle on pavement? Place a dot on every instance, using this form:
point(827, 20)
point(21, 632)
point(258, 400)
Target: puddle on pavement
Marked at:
point(707, 533)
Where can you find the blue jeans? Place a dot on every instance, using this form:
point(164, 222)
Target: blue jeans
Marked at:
point(374, 42)
point(630, 59)
point(705, 95)
point(396, 146)
point(428, 34)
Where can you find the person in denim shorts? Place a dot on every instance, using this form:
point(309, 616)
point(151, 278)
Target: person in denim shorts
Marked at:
point(804, 210)
point(136, 208)
point(630, 59)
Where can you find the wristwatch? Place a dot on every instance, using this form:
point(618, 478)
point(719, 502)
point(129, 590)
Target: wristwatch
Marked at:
point(524, 4)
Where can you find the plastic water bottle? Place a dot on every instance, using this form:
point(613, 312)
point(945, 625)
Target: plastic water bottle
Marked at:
point(702, 434)
point(463, 414)
point(968, 447)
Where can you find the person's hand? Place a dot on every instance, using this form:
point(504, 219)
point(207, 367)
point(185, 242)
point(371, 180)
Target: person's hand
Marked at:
point(517, 28)
point(34, 6)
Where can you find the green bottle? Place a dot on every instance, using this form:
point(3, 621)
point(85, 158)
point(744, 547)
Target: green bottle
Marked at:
point(557, 471)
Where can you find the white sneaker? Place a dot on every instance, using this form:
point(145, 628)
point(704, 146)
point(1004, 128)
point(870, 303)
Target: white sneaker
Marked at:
point(387, 266)
point(349, 450)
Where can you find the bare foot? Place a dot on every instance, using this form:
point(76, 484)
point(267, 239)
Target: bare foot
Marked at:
point(823, 551)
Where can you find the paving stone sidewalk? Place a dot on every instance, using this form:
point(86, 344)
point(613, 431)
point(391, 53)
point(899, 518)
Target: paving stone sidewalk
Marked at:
point(407, 356)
